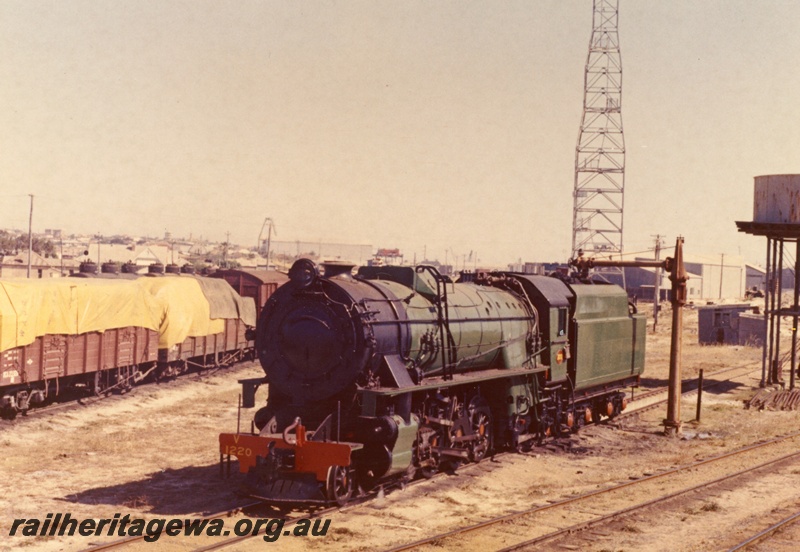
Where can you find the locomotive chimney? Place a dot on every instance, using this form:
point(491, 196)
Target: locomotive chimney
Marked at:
point(334, 268)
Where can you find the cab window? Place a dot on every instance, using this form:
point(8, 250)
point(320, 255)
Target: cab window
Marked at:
point(562, 321)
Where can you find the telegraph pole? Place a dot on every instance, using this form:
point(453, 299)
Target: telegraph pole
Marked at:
point(657, 287)
point(270, 226)
point(30, 236)
point(269, 239)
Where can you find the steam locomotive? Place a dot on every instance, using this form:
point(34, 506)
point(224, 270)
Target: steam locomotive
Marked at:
point(398, 372)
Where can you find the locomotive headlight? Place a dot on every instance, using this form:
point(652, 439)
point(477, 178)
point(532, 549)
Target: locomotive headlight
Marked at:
point(303, 273)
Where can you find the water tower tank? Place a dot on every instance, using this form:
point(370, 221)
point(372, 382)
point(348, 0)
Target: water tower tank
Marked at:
point(777, 199)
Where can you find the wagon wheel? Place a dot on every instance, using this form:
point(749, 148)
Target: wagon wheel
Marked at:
point(481, 418)
point(100, 387)
point(339, 485)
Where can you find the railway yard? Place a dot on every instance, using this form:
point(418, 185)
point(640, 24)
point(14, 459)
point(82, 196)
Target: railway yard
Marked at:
point(620, 485)
point(169, 381)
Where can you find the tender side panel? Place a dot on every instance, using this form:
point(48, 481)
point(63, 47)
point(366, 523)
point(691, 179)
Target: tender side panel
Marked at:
point(609, 342)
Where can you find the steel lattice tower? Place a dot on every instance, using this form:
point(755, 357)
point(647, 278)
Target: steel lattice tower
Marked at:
point(600, 153)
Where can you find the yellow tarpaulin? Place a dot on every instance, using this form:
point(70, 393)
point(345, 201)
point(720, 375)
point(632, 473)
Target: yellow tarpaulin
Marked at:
point(186, 311)
point(71, 306)
point(176, 307)
point(226, 303)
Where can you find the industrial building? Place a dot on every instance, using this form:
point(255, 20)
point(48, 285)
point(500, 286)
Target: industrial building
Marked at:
point(711, 277)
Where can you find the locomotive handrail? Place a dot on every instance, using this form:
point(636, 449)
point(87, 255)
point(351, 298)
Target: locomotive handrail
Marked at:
point(449, 350)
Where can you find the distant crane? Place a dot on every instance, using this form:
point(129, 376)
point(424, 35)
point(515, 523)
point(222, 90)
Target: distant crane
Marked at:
point(270, 226)
point(600, 153)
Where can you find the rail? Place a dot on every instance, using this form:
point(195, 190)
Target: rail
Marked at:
point(626, 486)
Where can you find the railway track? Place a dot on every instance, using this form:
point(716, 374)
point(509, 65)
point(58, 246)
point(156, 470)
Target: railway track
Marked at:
point(127, 541)
point(249, 510)
point(121, 393)
point(228, 540)
point(550, 522)
point(787, 540)
point(689, 387)
point(692, 384)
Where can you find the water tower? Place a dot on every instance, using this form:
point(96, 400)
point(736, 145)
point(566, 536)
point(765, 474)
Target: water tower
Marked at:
point(776, 216)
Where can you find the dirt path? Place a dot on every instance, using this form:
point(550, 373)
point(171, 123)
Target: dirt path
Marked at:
point(152, 452)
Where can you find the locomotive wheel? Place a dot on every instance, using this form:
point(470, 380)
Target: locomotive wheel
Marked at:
point(462, 426)
point(481, 417)
point(616, 408)
point(525, 446)
point(431, 470)
point(425, 464)
point(339, 485)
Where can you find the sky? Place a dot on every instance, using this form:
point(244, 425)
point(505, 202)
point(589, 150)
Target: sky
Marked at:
point(439, 127)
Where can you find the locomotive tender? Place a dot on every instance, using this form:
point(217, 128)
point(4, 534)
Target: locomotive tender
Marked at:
point(400, 372)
